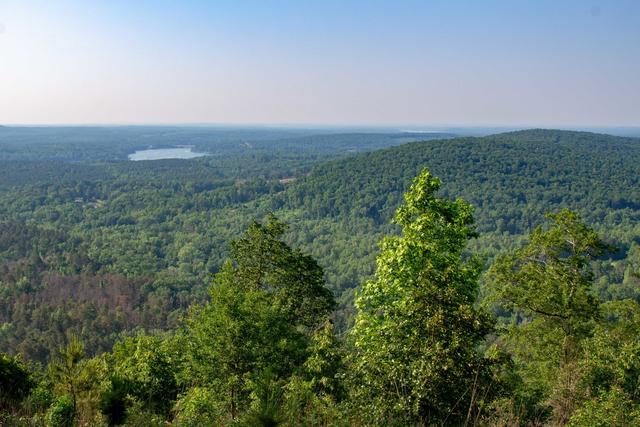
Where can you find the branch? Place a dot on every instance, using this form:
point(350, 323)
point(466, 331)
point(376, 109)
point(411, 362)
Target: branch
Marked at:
point(546, 313)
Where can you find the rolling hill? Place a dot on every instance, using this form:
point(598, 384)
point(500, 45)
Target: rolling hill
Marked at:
point(150, 235)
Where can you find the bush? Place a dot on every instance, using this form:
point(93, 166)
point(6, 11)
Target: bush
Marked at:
point(137, 415)
point(612, 409)
point(15, 380)
point(198, 407)
point(61, 413)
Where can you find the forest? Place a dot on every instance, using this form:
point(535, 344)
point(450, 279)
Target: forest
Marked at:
point(300, 278)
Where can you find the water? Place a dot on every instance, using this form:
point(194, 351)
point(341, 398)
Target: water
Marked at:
point(165, 153)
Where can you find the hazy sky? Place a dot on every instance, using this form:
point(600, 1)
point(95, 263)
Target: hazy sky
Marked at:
point(320, 62)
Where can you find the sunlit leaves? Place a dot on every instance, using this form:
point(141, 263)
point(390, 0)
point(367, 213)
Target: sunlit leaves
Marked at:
point(417, 328)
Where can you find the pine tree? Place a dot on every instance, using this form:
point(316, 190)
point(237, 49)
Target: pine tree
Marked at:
point(547, 285)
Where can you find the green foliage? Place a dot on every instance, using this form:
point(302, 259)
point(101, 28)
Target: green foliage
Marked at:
point(630, 286)
point(15, 381)
point(67, 371)
point(137, 415)
point(62, 412)
point(94, 245)
point(610, 369)
point(197, 407)
point(303, 405)
point(294, 280)
point(611, 409)
point(239, 332)
point(262, 302)
point(325, 367)
point(265, 408)
point(113, 403)
point(77, 379)
point(142, 369)
point(550, 280)
point(100, 247)
point(314, 395)
point(417, 328)
point(41, 397)
point(548, 286)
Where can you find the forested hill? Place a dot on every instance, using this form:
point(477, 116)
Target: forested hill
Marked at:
point(135, 243)
point(512, 179)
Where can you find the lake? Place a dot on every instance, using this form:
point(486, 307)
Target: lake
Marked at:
point(165, 153)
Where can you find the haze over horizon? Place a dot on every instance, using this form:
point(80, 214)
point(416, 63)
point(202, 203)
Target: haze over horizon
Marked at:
point(495, 63)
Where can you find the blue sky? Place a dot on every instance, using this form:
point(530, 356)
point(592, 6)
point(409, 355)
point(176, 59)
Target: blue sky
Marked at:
point(542, 63)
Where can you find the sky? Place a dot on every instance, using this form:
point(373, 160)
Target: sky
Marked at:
point(300, 62)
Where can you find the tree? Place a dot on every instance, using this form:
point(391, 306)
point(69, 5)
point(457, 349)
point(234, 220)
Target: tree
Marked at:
point(62, 412)
point(262, 261)
point(140, 368)
point(15, 381)
point(611, 409)
point(313, 395)
point(198, 407)
point(67, 369)
point(610, 369)
point(548, 286)
point(325, 368)
point(264, 302)
point(76, 381)
point(417, 328)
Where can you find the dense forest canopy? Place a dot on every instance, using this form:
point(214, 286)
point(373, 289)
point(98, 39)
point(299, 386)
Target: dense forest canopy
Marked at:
point(512, 180)
point(96, 250)
point(161, 228)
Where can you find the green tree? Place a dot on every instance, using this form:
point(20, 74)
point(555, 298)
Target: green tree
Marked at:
point(198, 407)
point(66, 371)
point(62, 412)
point(325, 366)
point(236, 335)
point(263, 303)
point(612, 408)
point(417, 328)
point(610, 368)
point(295, 281)
point(548, 286)
point(15, 382)
point(313, 396)
point(77, 378)
point(140, 368)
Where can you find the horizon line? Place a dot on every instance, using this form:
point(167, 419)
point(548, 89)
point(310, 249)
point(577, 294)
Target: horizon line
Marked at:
point(406, 127)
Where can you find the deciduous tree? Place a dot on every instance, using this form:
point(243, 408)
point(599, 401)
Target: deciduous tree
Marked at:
point(417, 326)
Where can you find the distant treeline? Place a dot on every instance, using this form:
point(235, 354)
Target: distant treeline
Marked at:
point(426, 347)
point(162, 228)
